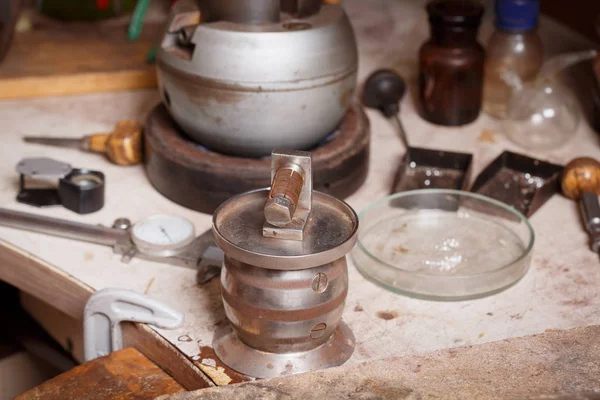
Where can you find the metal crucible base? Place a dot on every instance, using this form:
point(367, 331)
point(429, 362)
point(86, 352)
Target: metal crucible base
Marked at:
point(201, 179)
point(259, 364)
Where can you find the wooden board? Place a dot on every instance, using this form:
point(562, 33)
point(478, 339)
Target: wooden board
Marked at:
point(72, 59)
point(63, 317)
point(65, 330)
point(124, 374)
point(559, 292)
point(547, 364)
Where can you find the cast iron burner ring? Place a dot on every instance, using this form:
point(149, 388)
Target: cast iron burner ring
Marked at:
point(201, 179)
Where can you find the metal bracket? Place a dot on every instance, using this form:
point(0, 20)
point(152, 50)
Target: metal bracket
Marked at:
point(107, 308)
point(183, 19)
point(301, 161)
point(202, 254)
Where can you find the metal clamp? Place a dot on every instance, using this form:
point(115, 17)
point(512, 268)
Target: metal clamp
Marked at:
point(201, 255)
point(107, 308)
point(290, 200)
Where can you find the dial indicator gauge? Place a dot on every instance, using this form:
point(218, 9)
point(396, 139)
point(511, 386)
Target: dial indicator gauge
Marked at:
point(163, 235)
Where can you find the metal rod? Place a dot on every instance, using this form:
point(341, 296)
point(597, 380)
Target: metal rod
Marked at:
point(73, 143)
point(62, 228)
point(400, 130)
point(590, 210)
point(301, 8)
point(244, 11)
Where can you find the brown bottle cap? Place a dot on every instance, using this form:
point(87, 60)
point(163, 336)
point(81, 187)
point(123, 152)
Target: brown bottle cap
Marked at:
point(455, 12)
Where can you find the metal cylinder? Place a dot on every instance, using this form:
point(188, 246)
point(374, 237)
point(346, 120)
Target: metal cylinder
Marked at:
point(62, 228)
point(284, 195)
point(300, 8)
point(230, 84)
point(244, 11)
point(284, 298)
point(284, 311)
point(287, 183)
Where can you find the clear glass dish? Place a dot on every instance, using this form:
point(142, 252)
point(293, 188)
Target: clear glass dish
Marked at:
point(443, 244)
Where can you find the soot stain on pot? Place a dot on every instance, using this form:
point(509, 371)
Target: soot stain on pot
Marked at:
point(204, 91)
point(203, 95)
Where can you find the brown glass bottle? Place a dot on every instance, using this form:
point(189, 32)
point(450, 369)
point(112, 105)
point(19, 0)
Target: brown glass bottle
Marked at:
point(451, 63)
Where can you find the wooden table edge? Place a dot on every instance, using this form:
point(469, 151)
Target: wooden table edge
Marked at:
point(53, 286)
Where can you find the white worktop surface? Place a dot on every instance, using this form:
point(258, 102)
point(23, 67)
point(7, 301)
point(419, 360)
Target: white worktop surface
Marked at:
point(560, 290)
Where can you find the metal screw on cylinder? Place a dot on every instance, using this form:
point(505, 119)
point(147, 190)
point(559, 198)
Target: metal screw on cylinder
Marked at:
point(122, 223)
point(318, 330)
point(319, 283)
point(284, 195)
point(279, 211)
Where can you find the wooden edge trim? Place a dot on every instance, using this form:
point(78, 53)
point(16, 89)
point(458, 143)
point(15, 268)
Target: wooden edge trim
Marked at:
point(60, 85)
point(69, 295)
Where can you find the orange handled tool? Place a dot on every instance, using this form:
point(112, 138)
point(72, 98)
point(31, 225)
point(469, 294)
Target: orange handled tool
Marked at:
point(123, 146)
point(581, 182)
point(580, 176)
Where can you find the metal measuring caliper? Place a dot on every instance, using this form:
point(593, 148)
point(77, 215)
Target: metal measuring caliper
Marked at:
point(162, 238)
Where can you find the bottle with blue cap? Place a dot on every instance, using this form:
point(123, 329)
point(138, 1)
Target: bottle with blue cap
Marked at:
point(515, 46)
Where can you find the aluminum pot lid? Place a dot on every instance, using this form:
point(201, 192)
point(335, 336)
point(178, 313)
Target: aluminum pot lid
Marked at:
point(329, 234)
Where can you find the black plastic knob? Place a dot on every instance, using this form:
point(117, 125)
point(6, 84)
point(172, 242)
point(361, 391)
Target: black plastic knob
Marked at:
point(383, 91)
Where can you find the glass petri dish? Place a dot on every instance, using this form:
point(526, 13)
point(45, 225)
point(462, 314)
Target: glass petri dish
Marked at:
point(443, 244)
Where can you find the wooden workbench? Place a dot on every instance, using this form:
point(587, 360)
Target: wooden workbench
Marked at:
point(560, 291)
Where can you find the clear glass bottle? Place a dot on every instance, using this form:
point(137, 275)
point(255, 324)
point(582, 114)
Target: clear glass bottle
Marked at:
point(544, 114)
point(515, 46)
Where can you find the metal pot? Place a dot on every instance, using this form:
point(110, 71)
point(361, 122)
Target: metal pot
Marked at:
point(285, 278)
point(245, 77)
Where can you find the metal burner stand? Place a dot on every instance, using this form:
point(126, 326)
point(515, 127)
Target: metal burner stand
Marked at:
point(285, 278)
point(200, 179)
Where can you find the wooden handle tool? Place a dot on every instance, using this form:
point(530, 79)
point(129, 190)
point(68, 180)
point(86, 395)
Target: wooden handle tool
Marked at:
point(123, 146)
point(581, 182)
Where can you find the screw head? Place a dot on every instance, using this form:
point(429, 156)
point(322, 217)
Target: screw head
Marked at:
point(122, 223)
point(318, 330)
point(279, 211)
point(319, 283)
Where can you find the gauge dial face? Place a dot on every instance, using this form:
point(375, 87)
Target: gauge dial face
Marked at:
point(162, 235)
